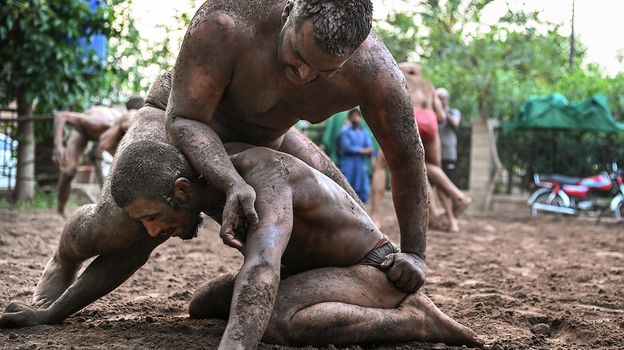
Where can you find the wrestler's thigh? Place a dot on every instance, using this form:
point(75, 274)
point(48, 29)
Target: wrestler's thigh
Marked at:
point(357, 285)
point(76, 145)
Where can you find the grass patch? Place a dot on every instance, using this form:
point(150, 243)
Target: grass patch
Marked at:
point(41, 200)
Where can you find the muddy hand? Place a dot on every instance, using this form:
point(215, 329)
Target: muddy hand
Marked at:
point(18, 314)
point(58, 156)
point(239, 201)
point(408, 271)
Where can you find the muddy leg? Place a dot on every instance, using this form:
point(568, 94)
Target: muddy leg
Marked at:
point(91, 230)
point(213, 298)
point(75, 147)
point(356, 305)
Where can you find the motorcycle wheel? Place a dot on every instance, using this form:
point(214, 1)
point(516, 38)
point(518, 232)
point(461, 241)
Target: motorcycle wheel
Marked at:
point(619, 211)
point(543, 199)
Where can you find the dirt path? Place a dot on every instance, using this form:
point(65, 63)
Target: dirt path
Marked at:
point(520, 282)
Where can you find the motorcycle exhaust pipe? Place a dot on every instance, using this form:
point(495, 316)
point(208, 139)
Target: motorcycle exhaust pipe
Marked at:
point(553, 208)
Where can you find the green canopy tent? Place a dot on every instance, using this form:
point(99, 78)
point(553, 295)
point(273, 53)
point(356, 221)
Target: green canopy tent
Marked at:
point(555, 112)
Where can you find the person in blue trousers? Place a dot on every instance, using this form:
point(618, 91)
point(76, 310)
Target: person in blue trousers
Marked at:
point(356, 146)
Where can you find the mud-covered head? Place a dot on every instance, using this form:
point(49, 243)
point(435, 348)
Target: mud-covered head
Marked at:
point(318, 36)
point(135, 102)
point(154, 183)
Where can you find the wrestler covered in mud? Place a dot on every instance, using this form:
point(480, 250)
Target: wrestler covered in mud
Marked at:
point(249, 70)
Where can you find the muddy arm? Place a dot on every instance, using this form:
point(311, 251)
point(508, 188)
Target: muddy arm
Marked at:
point(200, 76)
point(257, 281)
point(102, 276)
point(390, 115)
point(109, 140)
point(298, 145)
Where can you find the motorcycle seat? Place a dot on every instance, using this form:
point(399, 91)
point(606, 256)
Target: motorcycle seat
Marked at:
point(560, 179)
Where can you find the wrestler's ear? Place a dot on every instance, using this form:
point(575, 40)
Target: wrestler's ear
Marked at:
point(182, 188)
point(287, 10)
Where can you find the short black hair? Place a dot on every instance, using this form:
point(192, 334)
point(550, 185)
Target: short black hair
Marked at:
point(353, 111)
point(340, 26)
point(148, 170)
point(135, 102)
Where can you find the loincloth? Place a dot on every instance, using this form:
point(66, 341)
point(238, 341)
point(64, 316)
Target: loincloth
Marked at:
point(383, 248)
point(82, 131)
point(427, 124)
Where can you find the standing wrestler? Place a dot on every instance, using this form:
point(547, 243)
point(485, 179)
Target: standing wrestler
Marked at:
point(428, 111)
point(88, 126)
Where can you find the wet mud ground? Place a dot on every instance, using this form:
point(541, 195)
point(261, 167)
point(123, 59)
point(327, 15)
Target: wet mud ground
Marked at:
point(520, 282)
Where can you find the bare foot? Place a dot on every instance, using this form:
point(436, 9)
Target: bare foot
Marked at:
point(453, 226)
point(437, 223)
point(460, 206)
point(436, 326)
point(54, 282)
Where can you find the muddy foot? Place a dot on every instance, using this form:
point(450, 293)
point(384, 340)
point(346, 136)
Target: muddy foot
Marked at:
point(460, 206)
point(53, 283)
point(436, 326)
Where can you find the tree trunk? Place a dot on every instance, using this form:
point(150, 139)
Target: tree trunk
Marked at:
point(25, 177)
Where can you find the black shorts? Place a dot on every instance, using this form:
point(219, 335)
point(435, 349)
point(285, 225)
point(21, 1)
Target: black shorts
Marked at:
point(375, 257)
point(84, 133)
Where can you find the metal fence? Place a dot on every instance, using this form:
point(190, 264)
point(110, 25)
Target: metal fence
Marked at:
point(572, 153)
point(8, 149)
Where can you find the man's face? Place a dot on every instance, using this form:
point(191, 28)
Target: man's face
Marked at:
point(355, 119)
point(161, 219)
point(301, 59)
point(444, 98)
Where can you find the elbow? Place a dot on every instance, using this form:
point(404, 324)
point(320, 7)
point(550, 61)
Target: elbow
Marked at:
point(172, 128)
point(263, 269)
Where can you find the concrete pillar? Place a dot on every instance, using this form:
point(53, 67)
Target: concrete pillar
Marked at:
point(480, 165)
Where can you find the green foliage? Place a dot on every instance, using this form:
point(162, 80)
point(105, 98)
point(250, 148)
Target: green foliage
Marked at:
point(40, 54)
point(132, 57)
point(491, 69)
point(41, 200)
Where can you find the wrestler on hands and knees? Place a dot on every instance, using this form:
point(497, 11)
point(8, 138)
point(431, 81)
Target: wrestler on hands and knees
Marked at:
point(332, 260)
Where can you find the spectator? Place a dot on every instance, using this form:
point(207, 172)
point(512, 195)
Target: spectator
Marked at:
point(356, 147)
point(448, 136)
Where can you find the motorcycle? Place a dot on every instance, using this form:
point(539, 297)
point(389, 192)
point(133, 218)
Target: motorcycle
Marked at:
point(573, 195)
